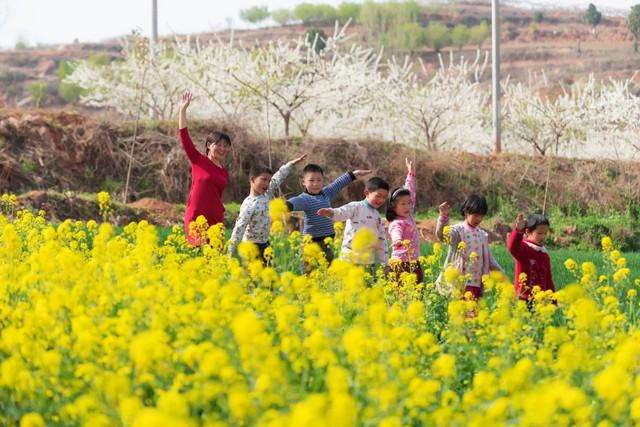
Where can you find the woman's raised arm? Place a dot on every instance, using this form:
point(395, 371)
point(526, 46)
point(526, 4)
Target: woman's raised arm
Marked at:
point(192, 152)
point(184, 104)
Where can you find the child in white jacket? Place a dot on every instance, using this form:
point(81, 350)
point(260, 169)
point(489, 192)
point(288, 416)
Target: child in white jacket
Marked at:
point(253, 222)
point(364, 214)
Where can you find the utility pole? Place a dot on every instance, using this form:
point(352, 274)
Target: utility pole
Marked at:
point(153, 42)
point(495, 74)
point(154, 21)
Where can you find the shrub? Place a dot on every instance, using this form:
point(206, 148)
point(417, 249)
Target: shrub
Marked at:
point(310, 13)
point(437, 36)
point(70, 92)
point(538, 16)
point(479, 33)
point(410, 37)
point(254, 14)
point(460, 36)
point(633, 22)
point(317, 36)
point(348, 10)
point(38, 92)
point(98, 59)
point(282, 16)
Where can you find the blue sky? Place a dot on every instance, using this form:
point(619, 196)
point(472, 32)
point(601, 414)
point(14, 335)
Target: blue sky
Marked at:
point(62, 21)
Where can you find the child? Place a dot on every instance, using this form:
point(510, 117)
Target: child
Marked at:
point(253, 222)
point(468, 244)
point(363, 214)
point(526, 245)
point(316, 197)
point(403, 229)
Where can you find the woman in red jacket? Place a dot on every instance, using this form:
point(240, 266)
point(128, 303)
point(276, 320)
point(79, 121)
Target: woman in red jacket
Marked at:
point(533, 265)
point(208, 175)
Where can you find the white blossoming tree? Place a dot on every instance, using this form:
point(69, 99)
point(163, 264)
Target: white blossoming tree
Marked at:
point(587, 119)
point(543, 120)
point(615, 119)
point(301, 83)
point(139, 81)
point(446, 109)
point(289, 88)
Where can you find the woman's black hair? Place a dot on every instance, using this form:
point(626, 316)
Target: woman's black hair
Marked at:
point(214, 138)
point(474, 204)
point(393, 200)
point(534, 221)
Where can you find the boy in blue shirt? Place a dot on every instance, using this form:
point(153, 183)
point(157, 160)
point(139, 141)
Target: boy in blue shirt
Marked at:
point(317, 196)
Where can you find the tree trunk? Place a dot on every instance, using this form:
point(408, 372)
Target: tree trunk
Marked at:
point(287, 121)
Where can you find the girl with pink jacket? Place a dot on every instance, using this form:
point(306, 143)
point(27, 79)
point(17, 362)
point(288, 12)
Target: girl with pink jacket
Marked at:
point(405, 242)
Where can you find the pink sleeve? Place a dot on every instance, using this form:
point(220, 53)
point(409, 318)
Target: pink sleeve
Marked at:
point(410, 184)
point(395, 232)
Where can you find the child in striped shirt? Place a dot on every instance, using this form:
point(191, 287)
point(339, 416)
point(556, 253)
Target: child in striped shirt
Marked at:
point(317, 196)
point(364, 214)
point(253, 222)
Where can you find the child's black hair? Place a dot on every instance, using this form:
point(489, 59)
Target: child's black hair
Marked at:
point(534, 221)
point(393, 200)
point(376, 183)
point(474, 204)
point(312, 168)
point(258, 170)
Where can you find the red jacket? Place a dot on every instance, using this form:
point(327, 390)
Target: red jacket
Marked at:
point(534, 261)
point(208, 181)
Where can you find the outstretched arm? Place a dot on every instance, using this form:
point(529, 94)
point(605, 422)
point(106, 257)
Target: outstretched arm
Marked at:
point(282, 173)
point(342, 213)
point(332, 190)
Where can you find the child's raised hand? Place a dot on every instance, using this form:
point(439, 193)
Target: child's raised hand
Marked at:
point(520, 222)
point(410, 168)
point(445, 209)
point(361, 172)
point(326, 212)
point(299, 159)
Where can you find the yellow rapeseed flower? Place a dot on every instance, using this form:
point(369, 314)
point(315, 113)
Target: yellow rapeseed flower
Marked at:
point(570, 264)
point(248, 251)
point(32, 419)
point(444, 366)
point(364, 246)
point(621, 274)
point(278, 209)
